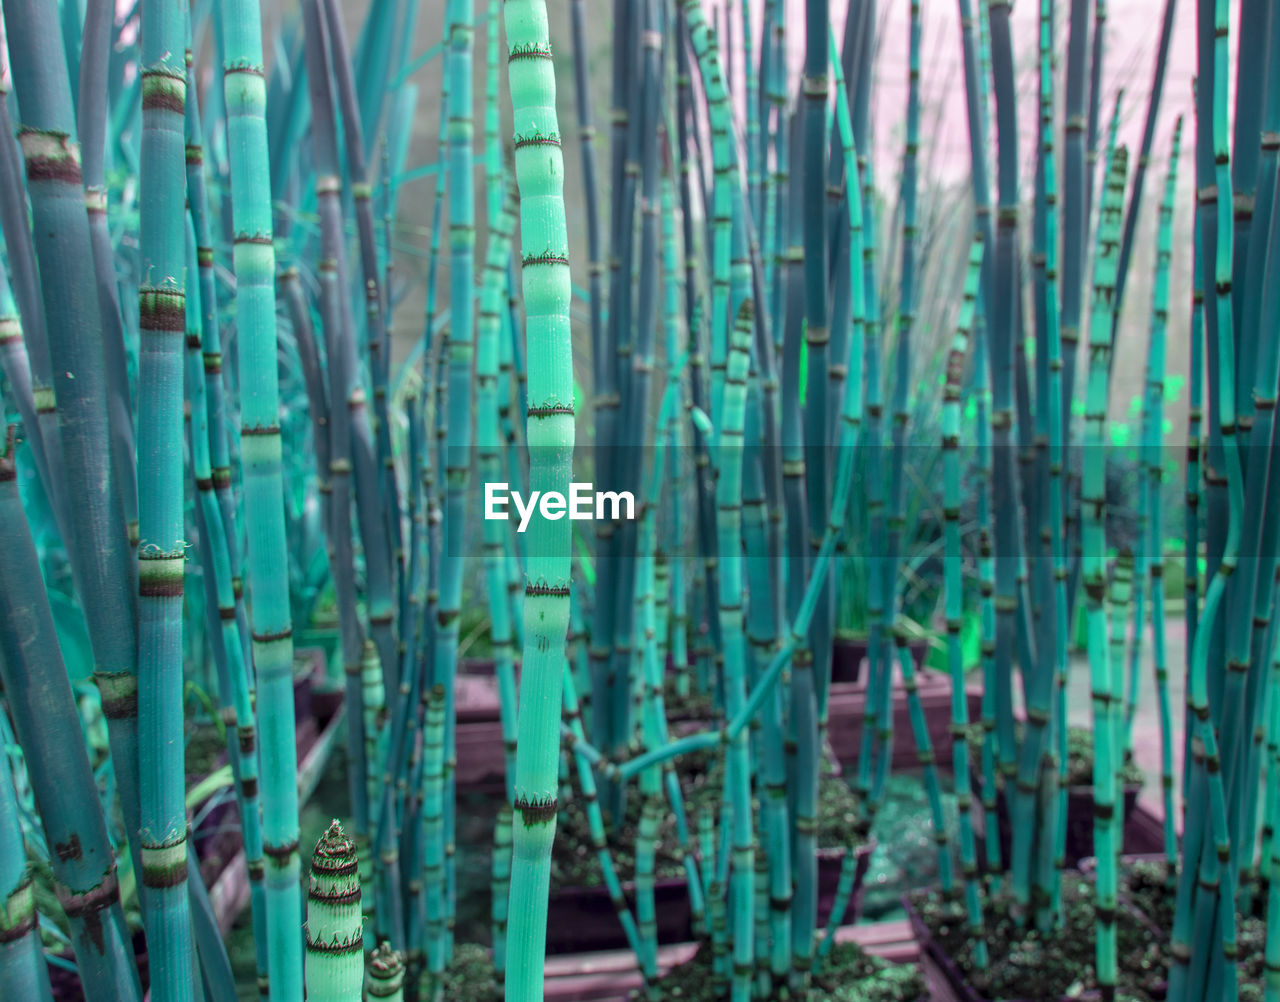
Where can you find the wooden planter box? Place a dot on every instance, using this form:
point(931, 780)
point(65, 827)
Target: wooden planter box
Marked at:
point(848, 654)
point(848, 703)
point(583, 919)
point(1143, 831)
point(481, 761)
point(946, 981)
point(611, 976)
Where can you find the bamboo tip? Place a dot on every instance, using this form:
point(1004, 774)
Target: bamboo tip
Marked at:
point(386, 963)
point(334, 846)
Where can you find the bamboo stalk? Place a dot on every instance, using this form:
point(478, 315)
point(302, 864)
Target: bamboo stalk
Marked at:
point(23, 972)
point(1093, 497)
point(385, 975)
point(955, 594)
point(161, 550)
point(1154, 467)
point(550, 434)
point(245, 96)
point(234, 689)
point(335, 943)
point(98, 542)
point(43, 711)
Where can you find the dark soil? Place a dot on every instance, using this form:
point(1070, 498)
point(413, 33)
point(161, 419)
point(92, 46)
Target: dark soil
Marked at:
point(470, 976)
point(1079, 758)
point(1144, 885)
point(574, 862)
point(850, 975)
point(1026, 965)
point(698, 705)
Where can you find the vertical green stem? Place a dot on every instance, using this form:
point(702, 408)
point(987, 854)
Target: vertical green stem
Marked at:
point(539, 168)
point(254, 260)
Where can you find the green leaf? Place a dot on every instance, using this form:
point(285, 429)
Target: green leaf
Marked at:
point(207, 787)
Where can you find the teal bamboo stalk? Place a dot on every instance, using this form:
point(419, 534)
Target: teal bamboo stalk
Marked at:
point(1010, 597)
point(876, 749)
point(1075, 218)
point(220, 427)
point(15, 361)
point(677, 632)
point(44, 713)
point(629, 632)
point(646, 914)
point(1154, 471)
point(729, 520)
point(42, 423)
point(23, 970)
point(1093, 496)
point(801, 748)
point(374, 710)
point(1271, 864)
point(1262, 303)
point(462, 243)
point(385, 976)
point(254, 259)
point(338, 353)
point(815, 88)
point(161, 549)
point(500, 888)
point(1148, 139)
point(901, 415)
point(550, 434)
point(236, 694)
point(1217, 869)
point(335, 941)
point(63, 248)
point(716, 92)
point(1119, 598)
point(997, 729)
point(488, 460)
point(1094, 122)
point(91, 121)
point(587, 780)
point(955, 592)
point(381, 537)
point(433, 832)
point(595, 269)
point(1050, 347)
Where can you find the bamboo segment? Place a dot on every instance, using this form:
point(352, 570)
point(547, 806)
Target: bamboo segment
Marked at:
point(254, 257)
point(954, 594)
point(23, 974)
point(40, 700)
point(335, 941)
point(161, 551)
point(539, 172)
point(1093, 496)
point(384, 978)
point(98, 544)
point(1154, 468)
point(501, 886)
point(729, 506)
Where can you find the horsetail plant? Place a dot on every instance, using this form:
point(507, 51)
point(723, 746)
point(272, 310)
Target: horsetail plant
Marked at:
point(161, 550)
point(72, 314)
point(335, 940)
point(1093, 497)
point(43, 709)
point(23, 972)
point(254, 258)
point(539, 170)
